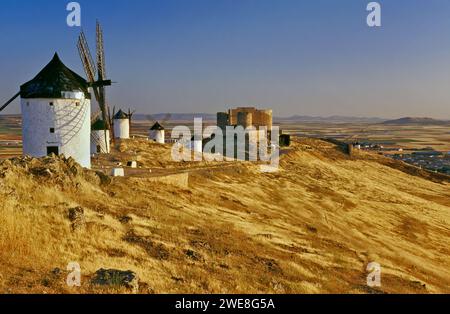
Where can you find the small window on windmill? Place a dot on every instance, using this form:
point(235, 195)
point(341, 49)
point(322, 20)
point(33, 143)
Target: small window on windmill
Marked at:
point(52, 130)
point(28, 104)
point(77, 104)
point(51, 104)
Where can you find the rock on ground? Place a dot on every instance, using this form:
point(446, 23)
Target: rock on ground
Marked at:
point(76, 217)
point(117, 278)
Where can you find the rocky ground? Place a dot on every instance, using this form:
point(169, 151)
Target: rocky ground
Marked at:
point(312, 227)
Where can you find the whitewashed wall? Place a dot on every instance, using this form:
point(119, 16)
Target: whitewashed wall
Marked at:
point(122, 128)
point(72, 126)
point(158, 136)
point(101, 138)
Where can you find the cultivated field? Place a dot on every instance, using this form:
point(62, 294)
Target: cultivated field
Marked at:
point(410, 137)
point(413, 137)
point(10, 136)
point(395, 136)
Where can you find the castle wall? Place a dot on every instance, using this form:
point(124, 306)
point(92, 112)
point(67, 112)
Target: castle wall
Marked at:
point(222, 120)
point(245, 119)
point(259, 117)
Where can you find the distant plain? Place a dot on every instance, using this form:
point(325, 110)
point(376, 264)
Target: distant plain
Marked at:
point(407, 137)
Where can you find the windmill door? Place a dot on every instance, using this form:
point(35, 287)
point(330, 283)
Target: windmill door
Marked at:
point(52, 150)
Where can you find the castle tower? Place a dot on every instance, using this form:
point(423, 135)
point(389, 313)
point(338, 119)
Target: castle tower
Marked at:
point(222, 120)
point(56, 113)
point(245, 119)
point(266, 119)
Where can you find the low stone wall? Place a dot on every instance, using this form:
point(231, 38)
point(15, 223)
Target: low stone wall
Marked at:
point(179, 179)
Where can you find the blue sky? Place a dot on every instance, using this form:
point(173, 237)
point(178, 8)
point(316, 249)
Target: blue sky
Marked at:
point(315, 57)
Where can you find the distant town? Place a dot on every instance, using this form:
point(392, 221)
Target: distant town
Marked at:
point(425, 158)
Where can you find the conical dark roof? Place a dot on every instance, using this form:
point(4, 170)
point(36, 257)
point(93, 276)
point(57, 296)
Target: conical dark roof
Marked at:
point(157, 127)
point(120, 115)
point(54, 79)
point(99, 125)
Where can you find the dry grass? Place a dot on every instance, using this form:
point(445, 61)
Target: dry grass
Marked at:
point(310, 228)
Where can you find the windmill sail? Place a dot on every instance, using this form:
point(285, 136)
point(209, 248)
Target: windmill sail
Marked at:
point(92, 69)
point(9, 101)
point(86, 57)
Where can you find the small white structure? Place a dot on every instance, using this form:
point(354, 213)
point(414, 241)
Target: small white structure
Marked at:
point(132, 164)
point(157, 133)
point(100, 138)
point(56, 114)
point(196, 145)
point(118, 172)
point(121, 122)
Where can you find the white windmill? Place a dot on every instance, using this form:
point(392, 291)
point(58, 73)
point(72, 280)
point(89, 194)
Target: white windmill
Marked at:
point(56, 113)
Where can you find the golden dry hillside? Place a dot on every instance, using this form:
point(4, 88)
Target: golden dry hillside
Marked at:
point(312, 227)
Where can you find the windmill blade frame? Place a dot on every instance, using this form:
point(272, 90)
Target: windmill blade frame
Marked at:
point(96, 115)
point(101, 68)
point(101, 74)
point(88, 63)
point(98, 86)
point(9, 102)
point(86, 57)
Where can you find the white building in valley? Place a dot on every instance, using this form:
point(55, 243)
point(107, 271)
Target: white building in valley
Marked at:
point(121, 122)
point(157, 133)
point(56, 114)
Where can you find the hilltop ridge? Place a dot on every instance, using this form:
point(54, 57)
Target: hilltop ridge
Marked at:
point(416, 121)
point(312, 227)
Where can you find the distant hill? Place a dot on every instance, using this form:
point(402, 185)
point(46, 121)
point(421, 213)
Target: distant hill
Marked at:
point(295, 118)
point(330, 119)
point(416, 121)
point(175, 116)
